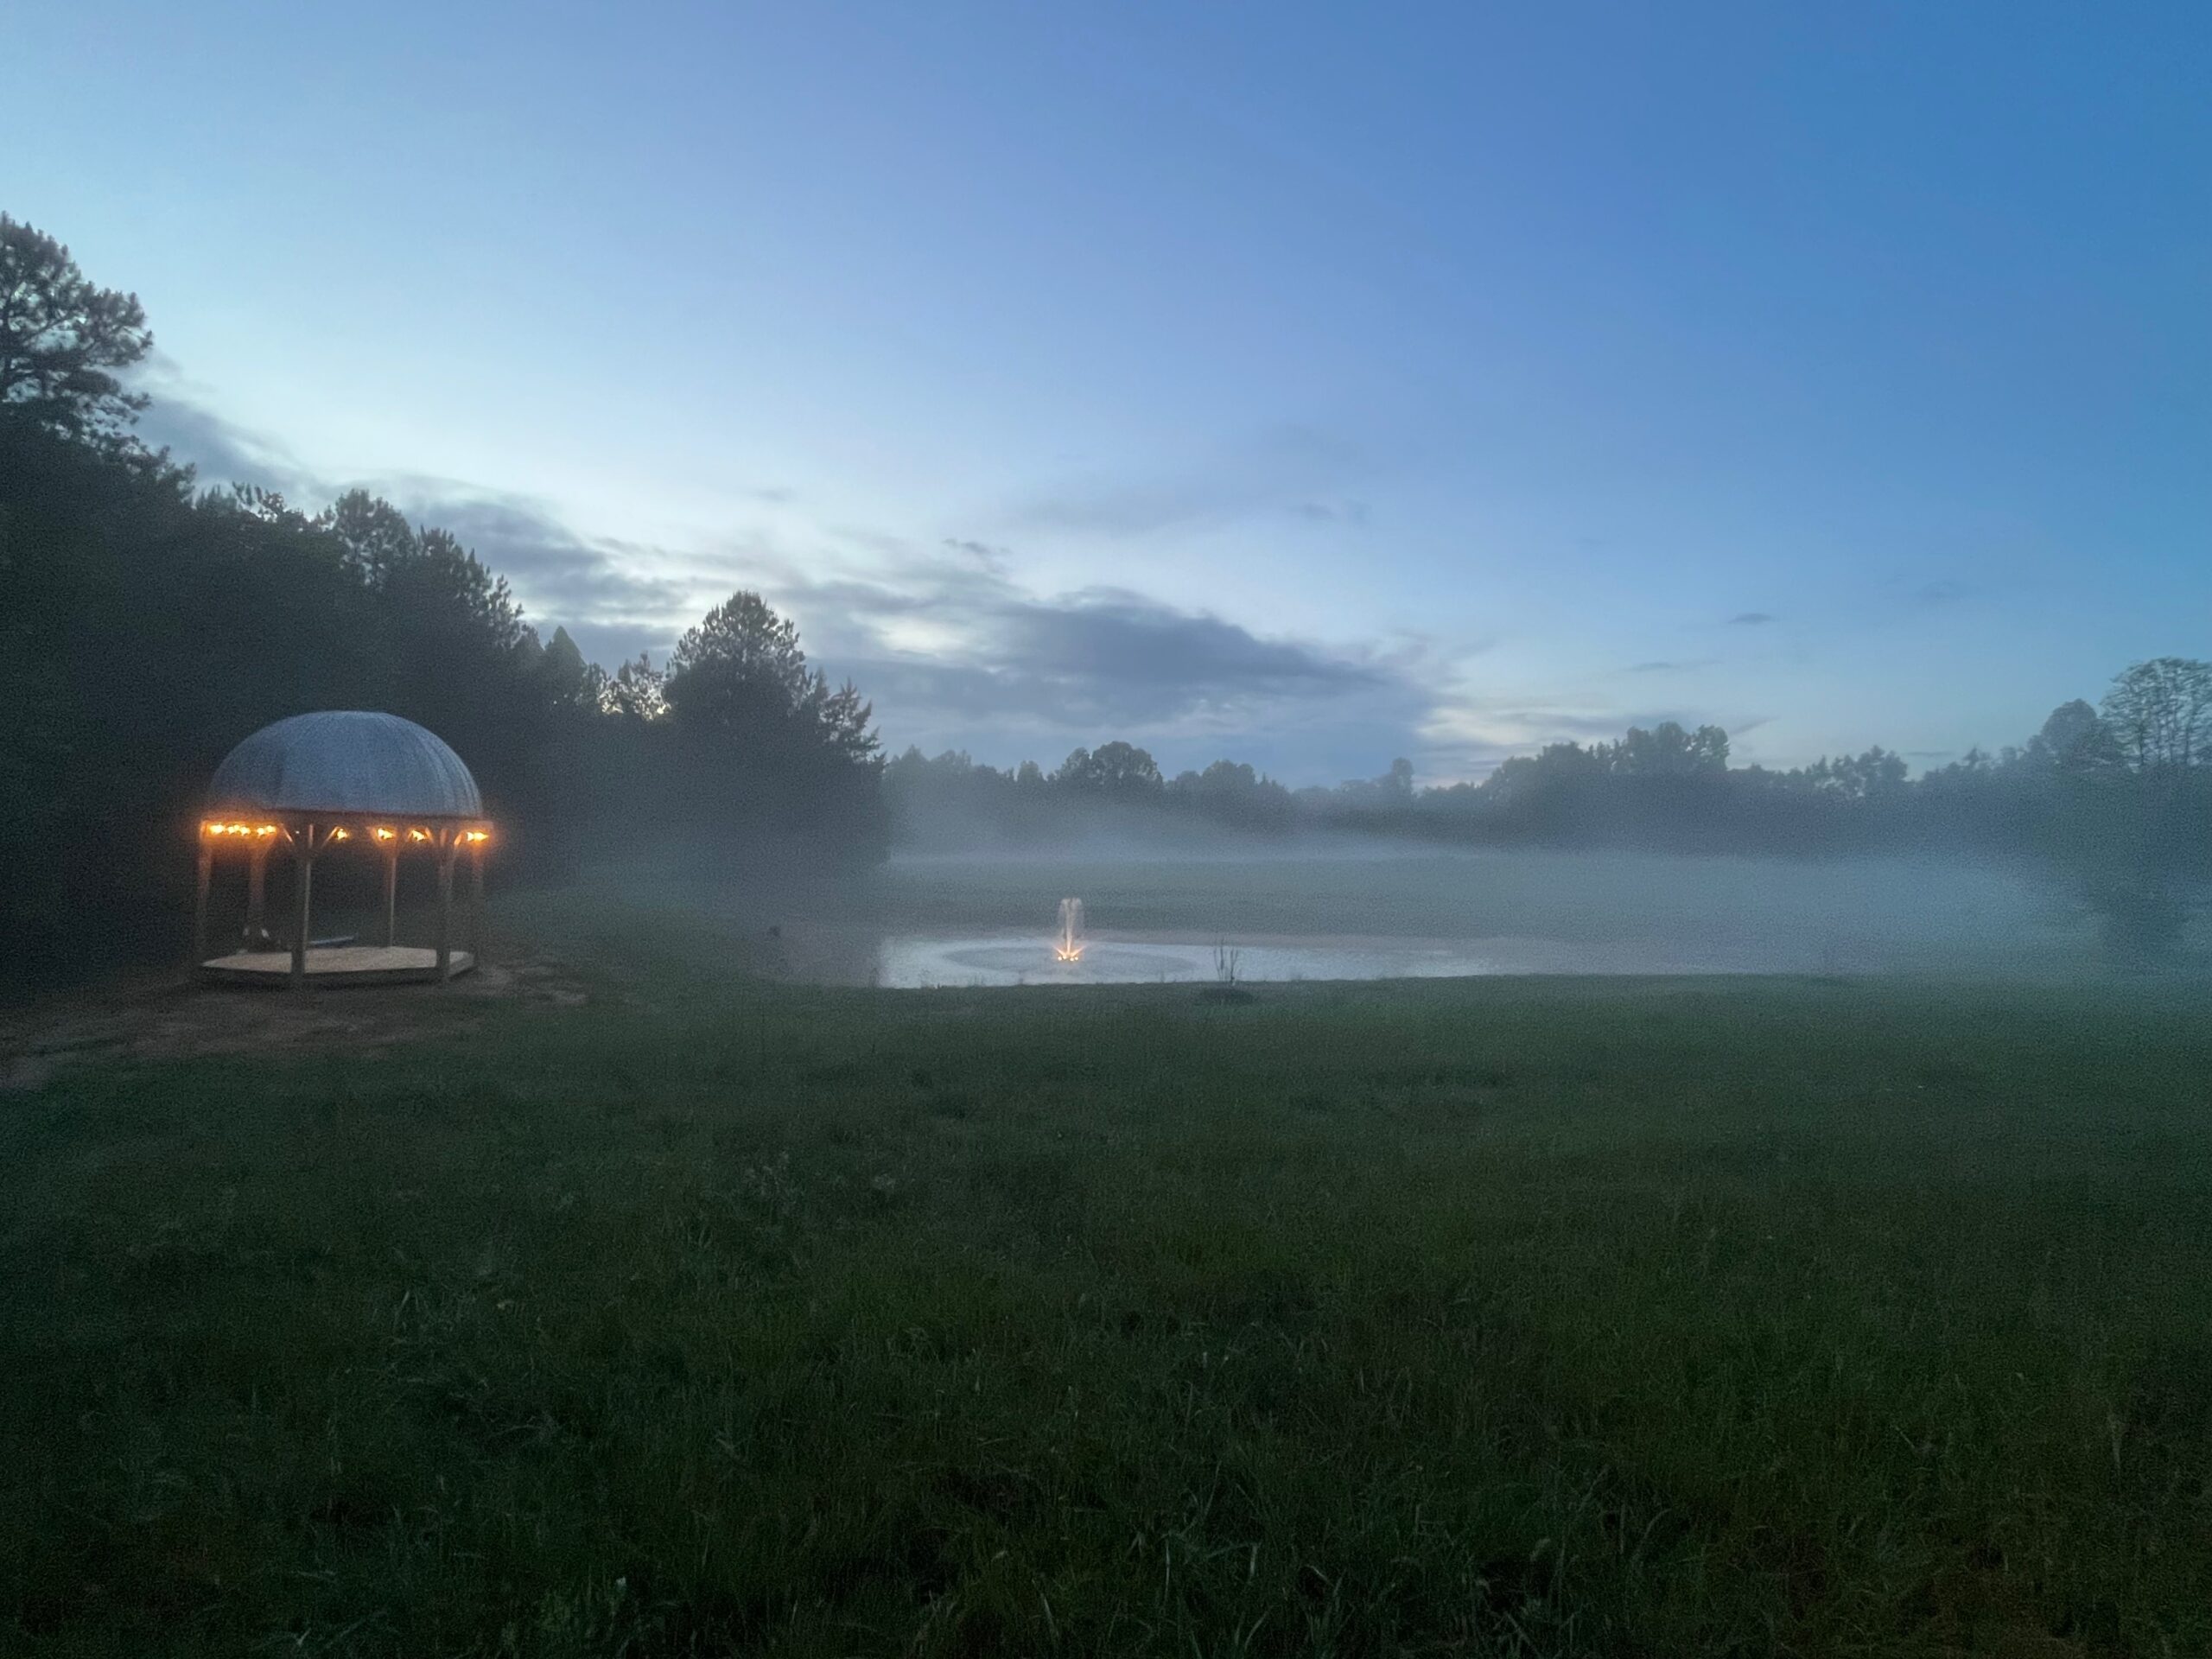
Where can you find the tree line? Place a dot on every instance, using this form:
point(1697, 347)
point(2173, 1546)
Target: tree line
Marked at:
point(147, 625)
point(2111, 801)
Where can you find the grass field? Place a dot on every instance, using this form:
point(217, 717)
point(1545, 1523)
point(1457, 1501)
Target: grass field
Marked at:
point(1508, 1316)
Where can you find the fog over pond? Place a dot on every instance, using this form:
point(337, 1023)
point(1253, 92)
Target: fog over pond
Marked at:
point(1330, 911)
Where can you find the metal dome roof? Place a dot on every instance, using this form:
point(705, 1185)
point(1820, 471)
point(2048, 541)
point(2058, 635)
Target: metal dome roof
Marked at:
point(346, 761)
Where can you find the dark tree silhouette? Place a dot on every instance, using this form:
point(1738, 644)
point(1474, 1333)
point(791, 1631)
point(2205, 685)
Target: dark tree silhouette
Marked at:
point(1666, 750)
point(742, 664)
point(769, 747)
point(146, 626)
point(2075, 739)
point(63, 339)
point(2160, 714)
point(636, 691)
point(572, 682)
point(375, 535)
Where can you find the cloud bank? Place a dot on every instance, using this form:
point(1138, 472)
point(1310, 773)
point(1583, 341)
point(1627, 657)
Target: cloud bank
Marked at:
point(955, 651)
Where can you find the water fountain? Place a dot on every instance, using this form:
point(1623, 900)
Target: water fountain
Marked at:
point(1064, 958)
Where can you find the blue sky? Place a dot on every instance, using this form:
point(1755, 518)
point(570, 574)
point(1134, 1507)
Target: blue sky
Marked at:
point(1310, 384)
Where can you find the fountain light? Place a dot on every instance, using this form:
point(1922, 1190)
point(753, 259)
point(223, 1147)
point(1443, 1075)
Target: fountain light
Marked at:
point(1069, 946)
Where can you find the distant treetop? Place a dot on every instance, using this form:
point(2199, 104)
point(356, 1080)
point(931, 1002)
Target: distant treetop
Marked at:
point(63, 339)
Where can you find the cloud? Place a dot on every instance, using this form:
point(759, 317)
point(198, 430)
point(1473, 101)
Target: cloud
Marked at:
point(953, 641)
point(222, 453)
point(1940, 592)
point(951, 648)
point(604, 585)
point(612, 644)
point(993, 559)
point(1660, 667)
point(1751, 619)
point(1604, 725)
point(1331, 512)
point(1289, 468)
point(604, 591)
point(1467, 734)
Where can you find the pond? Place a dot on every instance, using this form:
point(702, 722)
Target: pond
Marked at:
point(923, 961)
point(957, 922)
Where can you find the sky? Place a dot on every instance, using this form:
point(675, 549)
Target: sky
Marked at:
point(1311, 385)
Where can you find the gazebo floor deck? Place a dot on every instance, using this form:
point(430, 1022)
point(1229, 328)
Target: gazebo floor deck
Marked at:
point(344, 964)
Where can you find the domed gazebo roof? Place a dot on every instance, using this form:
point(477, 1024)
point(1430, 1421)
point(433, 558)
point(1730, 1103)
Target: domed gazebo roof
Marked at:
point(346, 761)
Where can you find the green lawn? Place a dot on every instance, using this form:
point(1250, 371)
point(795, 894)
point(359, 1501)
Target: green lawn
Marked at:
point(1589, 1316)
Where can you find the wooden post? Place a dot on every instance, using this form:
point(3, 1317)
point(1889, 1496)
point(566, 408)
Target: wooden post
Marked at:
point(392, 893)
point(303, 853)
point(446, 848)
point(200, 905)
point(476, 903)
point(256, 891)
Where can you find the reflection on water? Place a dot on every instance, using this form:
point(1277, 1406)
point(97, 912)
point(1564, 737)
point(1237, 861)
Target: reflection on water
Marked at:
point(916, 961)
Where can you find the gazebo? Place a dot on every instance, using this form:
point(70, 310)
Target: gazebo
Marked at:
point(341, 777)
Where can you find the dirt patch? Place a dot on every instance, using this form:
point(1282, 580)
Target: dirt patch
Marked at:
point(162, 1017)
